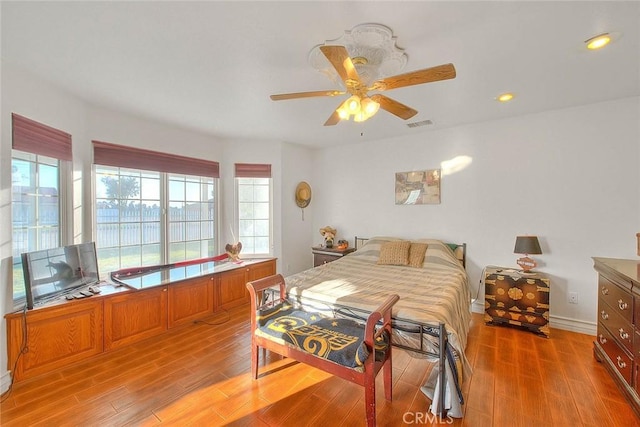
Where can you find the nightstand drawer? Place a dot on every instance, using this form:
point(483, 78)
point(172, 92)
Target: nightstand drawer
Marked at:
point(319, 259)
point(323, 255)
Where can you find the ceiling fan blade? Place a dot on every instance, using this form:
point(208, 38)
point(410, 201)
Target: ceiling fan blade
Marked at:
point(297, 95)
point(434, 74)
point(394, 107)
point(333, 119)
point(339, 58)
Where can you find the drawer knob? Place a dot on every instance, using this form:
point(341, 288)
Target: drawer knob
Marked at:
point(624, 335)
point(622, 305)
point(621, 363)
point(604, 315)
point(605, 290)
point(602, 339)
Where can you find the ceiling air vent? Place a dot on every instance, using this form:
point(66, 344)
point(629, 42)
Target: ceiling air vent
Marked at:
point(418, 124)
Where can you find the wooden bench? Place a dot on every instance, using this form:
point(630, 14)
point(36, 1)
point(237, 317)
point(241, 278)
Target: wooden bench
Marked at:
point(291, 332)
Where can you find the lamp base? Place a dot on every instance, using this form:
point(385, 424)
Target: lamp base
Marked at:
point(526, 263)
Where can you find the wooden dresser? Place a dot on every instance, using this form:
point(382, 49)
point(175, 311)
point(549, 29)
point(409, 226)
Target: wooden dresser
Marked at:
point(618, 342)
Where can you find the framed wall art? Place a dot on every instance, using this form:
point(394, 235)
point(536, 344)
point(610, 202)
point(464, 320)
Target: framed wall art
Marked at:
point(418, 187)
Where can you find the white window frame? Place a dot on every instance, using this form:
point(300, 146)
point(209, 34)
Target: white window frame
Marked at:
point(236, 214)
point(65, 226)
point(164, 215)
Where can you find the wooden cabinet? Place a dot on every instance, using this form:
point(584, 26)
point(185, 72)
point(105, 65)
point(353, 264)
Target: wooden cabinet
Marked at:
point(260, 270)
point(61, 334)
point(231, 290)
point(231, 286)
point(190, 300)
point(323, 255)
point(134, 316)
point(516, 298)
point(617, 345)
point(55, 337)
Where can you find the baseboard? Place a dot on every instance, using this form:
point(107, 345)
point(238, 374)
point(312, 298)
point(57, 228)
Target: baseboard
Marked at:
point(5, 382)
point(573, 325)
point(558, 322)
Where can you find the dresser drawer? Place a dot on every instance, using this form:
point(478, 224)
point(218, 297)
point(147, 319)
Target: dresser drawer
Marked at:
point(619, 299)
point(617, 325)
point(619, 358)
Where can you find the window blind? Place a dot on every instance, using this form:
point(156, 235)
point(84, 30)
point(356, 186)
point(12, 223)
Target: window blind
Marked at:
point(108, 154)
point(252, 170)
point(37, 138)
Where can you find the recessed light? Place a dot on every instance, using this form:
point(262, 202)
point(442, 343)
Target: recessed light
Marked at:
point(598, 41)
point(505, 97)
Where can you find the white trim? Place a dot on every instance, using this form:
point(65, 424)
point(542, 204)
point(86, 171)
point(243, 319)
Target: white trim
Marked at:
point(573, 325)
point(558, 322)
point(5, 381)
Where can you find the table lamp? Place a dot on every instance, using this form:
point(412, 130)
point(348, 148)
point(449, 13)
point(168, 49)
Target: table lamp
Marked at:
point(527, 245)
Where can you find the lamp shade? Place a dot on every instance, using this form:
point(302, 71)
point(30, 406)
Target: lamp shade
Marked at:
point(527, 245)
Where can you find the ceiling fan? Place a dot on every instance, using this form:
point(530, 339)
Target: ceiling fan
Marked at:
point(360, 104)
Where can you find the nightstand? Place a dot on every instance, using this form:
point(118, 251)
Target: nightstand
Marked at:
point(322, 255)
point(512, 297)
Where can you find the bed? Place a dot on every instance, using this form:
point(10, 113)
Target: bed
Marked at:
point(433, 313)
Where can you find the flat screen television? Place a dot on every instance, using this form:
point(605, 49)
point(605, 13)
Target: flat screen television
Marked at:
point(51, 273)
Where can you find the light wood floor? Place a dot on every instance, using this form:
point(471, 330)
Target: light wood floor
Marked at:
point(199, 375)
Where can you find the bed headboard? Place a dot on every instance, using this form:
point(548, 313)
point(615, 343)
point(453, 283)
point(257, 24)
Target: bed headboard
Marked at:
point(459, 249)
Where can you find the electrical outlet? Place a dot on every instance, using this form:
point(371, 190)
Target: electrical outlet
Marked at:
point(572, 297)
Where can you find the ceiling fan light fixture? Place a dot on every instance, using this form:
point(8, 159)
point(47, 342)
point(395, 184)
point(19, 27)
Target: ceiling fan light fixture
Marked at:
point(369, 106)
point(353, 104)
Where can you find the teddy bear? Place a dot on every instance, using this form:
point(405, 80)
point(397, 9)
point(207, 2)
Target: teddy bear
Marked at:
point(329, 233)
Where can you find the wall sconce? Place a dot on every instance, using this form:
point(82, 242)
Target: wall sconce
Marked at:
point(527, 245)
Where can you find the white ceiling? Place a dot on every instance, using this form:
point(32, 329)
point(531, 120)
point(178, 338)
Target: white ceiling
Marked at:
point(211, 66)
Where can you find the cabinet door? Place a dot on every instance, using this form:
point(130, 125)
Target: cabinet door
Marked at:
point(134, 316)
point(190, 300)
point(260, 270)
point(231, 290)
point(56, 337)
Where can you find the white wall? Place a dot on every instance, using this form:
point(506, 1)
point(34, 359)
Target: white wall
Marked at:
point(297, 224)
point(570, 177)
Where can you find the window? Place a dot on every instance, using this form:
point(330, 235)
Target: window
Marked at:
point(39, 191)
point(146, 217)
point(253, 190)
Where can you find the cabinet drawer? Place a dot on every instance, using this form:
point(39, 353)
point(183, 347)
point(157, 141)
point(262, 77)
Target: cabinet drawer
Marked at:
point(619, 299)
point(319, 259)
point(617, 325)
point(521, 295)
point(618, 357)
